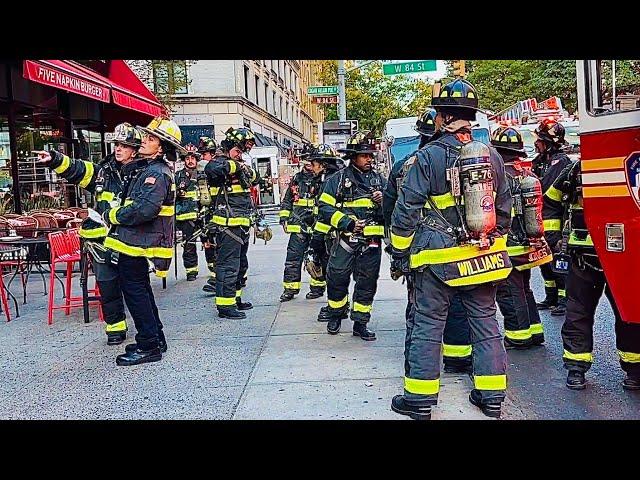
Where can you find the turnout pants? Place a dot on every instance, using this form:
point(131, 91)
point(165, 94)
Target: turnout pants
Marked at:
point(189, 253)
point(518, 306)
point(296, 248)
point(364, 263)
point(584, 289)
point(554, 287)
point(232, 264)
point(425, 328)
point(133, 273)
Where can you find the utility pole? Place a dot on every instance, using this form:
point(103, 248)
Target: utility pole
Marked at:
point(342, 96)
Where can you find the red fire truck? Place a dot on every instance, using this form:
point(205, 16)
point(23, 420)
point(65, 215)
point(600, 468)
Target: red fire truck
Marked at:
point(610, 156)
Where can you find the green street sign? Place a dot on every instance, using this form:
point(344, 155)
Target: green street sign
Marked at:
point(402, 67)
point(323, 90)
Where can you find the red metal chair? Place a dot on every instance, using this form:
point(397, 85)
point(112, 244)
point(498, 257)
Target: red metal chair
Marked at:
point(65, 248)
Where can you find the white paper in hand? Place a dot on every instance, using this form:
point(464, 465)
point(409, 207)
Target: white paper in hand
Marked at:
point(96, 217)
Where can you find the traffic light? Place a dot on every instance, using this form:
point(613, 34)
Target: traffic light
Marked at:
point(458, 68)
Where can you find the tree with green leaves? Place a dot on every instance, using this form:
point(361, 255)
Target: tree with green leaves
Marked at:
point(164, 77)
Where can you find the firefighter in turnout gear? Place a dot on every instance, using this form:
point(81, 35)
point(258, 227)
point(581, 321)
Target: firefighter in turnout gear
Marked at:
point(449, 228)
point(104, 181)
point(297, 219)
point(526, 245)
point(585, 284)
point(231, 209)
point(351, 202)
point(547, 165)
point(456, 348)
point(187, 209)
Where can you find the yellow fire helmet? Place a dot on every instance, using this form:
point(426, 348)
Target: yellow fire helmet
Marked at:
point(166, 130)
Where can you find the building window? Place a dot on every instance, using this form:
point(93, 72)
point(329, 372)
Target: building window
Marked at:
point(246, 81)
point(170, 77)
point(257, 81)
point(281, 111)
point(286, 111)
point(246, 122)
point(266, 97)
point(274, 103)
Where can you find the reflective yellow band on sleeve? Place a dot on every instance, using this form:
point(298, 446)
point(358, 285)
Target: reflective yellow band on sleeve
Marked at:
point(187, 216)
point(294, 229)
point(457, 351)
point(373, 231)
point(292, 285)
point(322, 227)
point(231, 222)
point(442, 202)
point(112, 215)
point(328, 199)
point(552, 225)
point(400, 242)
point(93, 232)
point(629, 357)
point(232, 166)
point(105, 196)
point(339, 303)
point(421, 387)
point(305, 202)
point(284, 213)
point(225, 301)
point(518, 334)
point(193, 194)
point(553, 193)
point(536, 329)
point(88, 174)
point(359, 307)
point(64, 166)
point(490, 382)
point(167, 211)
point(336, 217)
point(579, 357)
point(455, 254)
point(360, 203)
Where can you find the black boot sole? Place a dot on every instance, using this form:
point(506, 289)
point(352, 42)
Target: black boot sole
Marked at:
point(286, 299)
point(580, 386)
point(545, 307)
point(131, 347)
point(412, 415)
point(310, 296)
point(558, 314)
point(115, 340)
point(245, 308)
point(149, 359)
point(232, 317)
point(367, 339)
point(486, 409)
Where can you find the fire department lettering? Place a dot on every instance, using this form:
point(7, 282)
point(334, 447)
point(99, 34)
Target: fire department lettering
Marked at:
point(480, 264)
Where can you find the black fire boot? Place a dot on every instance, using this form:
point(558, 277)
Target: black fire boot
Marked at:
point(360, 330)
point(333, 327)
point(116, 332)
point(288, 294)
point(210, 286)
point(230, 312)
point(240, 305)
point(576, 380)
point(550, 301)
point(510, 344)
point(458, 367)
point(138, 356)
point(132, 347)
point(417, 412)
point(560, 309)
point(315, 292)
point(324, 315)
point(490, 409)
point(191, 276)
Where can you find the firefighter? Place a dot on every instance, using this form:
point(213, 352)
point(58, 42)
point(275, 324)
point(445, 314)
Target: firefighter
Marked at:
point(187, 209)
point(456, 348)
point(297, 218)
point(104, 180)
point(448, 228)
point(585, 285)
point(351, 203)
point(230, 179)
point(547, 165)
point(526, 245)
point(207, 148)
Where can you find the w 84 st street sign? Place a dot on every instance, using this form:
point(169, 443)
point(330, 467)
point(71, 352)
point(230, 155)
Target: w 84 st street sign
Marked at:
point(398, 67)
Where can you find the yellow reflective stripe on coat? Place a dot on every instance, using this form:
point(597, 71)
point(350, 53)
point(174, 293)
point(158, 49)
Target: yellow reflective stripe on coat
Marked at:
point(134, 251)
point(232, 166)
point(442, 202)
point(580, 357)
point(537, 263)
point(231, 222)
point(225, 301)
point(105, 196)
point(284, 213)
point(400, 242)
point(294, 229)
point(490, 382)
point(88, 174)
point(554, 194)
point(421, 387)
point(552, 225)
point(120, 326)
point(305, 202)
point(373, 230)
point(493, 276)
point(458, 351)
point(359, 307)
point(454, 254)
point(292, 285)
point(360, 203)
point(328, 199)
point(536, 329)
point(317, 283)
point(193, 194)
point(322, 227)
point(187, 216)
point(339, 303)
point(97, 232)
point(336, 217)
point(112, 215)
point(237, 189)
point(64, 166)
point(518, 334)
point(629, 357)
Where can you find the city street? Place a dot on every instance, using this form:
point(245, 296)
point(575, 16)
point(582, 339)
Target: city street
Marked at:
point(278, 363)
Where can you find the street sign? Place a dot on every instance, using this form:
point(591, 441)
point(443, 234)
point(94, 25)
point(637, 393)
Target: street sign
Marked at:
point(398, 67)
point(325, 100)
point(323, 90)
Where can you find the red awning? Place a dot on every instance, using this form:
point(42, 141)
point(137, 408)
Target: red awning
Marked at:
point(122, 85)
